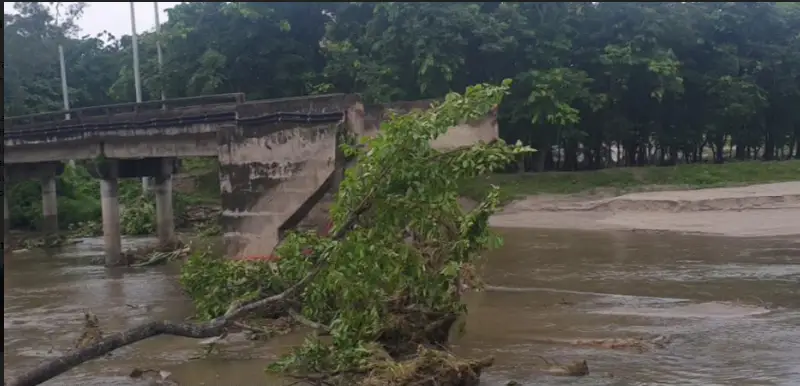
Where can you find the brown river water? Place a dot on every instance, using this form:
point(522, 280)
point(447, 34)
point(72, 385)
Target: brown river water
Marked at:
point(730, 305)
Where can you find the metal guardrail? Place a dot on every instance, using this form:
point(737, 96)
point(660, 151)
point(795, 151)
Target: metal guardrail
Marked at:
point(79, 114)
point(97, 129)
point(100, 120)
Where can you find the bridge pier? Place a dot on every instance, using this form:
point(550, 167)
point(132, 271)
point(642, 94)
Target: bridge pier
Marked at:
point(109, 171)
point(165, 220)
point(46, 173)
point(112, 237)
point(49, 205)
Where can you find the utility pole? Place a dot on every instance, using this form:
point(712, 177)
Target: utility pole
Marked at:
point(160, 55)
point(136, 79)
point(64, 89)
point(135, 41)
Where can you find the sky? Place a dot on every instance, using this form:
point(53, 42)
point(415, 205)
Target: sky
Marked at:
point(115, 17)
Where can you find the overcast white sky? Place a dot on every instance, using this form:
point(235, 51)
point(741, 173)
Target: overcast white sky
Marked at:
point(115, 17)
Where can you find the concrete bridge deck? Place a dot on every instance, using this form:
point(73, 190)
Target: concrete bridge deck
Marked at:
point(276, 157)
point(150, 129)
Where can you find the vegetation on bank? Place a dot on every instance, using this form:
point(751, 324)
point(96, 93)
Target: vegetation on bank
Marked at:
point(596, 85)
point(655, 83)
point(691, 176)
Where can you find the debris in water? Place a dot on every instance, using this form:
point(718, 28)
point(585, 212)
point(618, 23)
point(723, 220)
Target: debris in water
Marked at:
point(154, 255)
point(564, 302)
point(91, 331)
point(160, 377)
point(575, 369)
point(427, 367)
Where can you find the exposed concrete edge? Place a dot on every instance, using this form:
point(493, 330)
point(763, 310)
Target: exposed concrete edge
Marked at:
point(307, 104)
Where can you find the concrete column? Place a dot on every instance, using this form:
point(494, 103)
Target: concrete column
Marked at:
point(112, 239)
point(146, 185)
point(165, 221)
point(49, 205)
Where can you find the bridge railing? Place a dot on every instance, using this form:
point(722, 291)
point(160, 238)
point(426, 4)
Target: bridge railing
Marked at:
point(124, 111)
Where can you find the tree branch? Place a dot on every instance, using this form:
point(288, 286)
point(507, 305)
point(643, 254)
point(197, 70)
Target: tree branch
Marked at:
point(215, 327)
point(308, 322)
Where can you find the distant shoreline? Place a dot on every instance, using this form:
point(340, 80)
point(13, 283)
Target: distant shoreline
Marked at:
point(751, 211)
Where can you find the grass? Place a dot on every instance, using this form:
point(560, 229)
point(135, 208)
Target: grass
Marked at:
point(620, 180)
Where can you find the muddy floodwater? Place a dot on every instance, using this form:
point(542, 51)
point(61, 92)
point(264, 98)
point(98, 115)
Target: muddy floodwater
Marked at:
point(731, 307)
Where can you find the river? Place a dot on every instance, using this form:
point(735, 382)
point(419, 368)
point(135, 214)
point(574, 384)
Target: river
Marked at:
point(730, 305)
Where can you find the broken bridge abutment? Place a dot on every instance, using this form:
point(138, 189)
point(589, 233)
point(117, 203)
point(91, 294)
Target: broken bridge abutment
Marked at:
point(277, 164)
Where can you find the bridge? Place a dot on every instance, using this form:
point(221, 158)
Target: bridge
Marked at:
point(277, 158)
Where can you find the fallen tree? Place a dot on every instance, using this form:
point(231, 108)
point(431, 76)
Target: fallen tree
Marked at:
point(385, 286)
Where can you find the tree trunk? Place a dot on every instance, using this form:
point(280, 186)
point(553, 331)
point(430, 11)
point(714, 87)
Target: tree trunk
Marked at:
point(597, 157)
point(570, 155)
point(547, 159)
point(630, 153)
point(641, 156)
point(740, 151)
point(769, 147)
point(539, 160)
point(719, 152)
point(699, 156)
point(673, 155)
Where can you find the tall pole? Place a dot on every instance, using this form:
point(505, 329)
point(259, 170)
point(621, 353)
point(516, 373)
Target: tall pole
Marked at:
point(158, 50)
point(64, 89)
point(135, 41)
point(136, 80)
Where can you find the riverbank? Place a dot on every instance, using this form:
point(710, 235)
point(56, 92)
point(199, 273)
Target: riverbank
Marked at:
point(751, 211)
point(745, 199)
point(614, 182)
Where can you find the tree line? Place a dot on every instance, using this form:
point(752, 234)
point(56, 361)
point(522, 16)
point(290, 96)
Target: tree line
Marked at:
point(595, 84)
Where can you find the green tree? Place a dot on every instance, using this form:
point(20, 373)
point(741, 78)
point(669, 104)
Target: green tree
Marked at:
point(597, 84)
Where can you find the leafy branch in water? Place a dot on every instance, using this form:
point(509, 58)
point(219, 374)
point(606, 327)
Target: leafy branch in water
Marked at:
point(412, 248)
